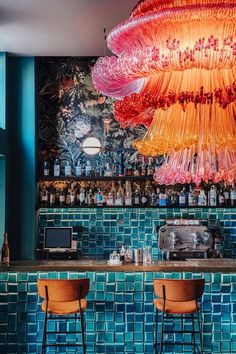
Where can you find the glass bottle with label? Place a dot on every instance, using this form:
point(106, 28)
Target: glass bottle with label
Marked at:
point(129, 168)
point(62, 198)
point(5, 260)
point(52, 195)
point(110, 199)
point(78, 169)
point(108, 171)
point(115, 169)
point(150, 167)
point(162, 198)
point(121, 166)
point(67, 169)
point(46, 168)
point(128, 195)
point(136, 170)
point(183, 198)
point(88, 169)
point(233, 196)
point(212, 196)
point(221, 198)
point(56, 168)
point(226, 195)
point(143, 168)
point(99, 198)
point(82, 196)
point(202, 199)
point(137, 196)
point(44, 196)
point(72, 197)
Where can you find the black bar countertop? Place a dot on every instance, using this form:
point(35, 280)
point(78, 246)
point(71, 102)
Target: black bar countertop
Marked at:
point(223, 265)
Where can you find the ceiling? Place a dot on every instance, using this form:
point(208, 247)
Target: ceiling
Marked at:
point(59, 27)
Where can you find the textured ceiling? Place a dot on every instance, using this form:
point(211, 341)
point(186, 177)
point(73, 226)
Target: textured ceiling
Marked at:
point(59, 27)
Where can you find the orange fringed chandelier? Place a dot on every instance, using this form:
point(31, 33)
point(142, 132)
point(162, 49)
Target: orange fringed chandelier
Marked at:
point(174, 71)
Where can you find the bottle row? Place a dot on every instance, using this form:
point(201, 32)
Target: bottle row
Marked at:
point(133, 194)
point(101, 167)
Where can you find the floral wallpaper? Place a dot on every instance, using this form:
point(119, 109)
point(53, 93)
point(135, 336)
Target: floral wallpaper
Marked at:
point(70, 110)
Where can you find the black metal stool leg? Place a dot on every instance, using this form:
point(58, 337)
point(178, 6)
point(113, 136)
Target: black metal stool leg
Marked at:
point(200, 331)
point(43, 349)
point(162, 330)
point(193, 334)
point(83, 331)
point(156, 331)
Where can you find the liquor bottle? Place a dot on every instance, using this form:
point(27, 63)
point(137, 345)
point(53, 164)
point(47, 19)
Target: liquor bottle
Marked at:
point(150, 167)
point(110, 199)
point(144, 197)
point(183, 198)
point(98, 168)
point(136, 168)
point(5, 251)
point(44, 196)
point(46, 169)
point(128, 195)
point(108, 172)
point(153, 199)
point(99, 198)
point(88, 169)
point(90, 198)
point(72, 197)
point(121, 192)
point(67, 169)
point(121, 166)
point(122, 253)
point(68, 196)
point(62, 198)
point(190, 197)
point(221, 198)
point(129, 168)
point(174, 199)
point(137, 197)
point(56, 168)
point(162, 198)
point(233, 196)
point(212, 201)
point(158, 197)
point(78, 169)
point(143, 168)
point(118, 199)
point(226, 195)
point(115, 169)
point(202, 199)
point(52, 195)
point(82, 197)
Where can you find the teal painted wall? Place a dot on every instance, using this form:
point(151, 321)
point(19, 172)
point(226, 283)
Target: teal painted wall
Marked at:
point(21, 115)
point(3, 143)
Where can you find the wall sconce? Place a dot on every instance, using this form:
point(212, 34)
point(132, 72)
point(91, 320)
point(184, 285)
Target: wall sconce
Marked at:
point(91, 146)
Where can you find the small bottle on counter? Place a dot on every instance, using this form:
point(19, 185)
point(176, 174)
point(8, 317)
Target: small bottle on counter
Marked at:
point(56, 168)
point(5, 260)
point(122, 253)
point(67, 169)
point(46, 168)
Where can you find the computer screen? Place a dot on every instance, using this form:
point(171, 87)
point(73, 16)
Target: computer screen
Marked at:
point(58, 237)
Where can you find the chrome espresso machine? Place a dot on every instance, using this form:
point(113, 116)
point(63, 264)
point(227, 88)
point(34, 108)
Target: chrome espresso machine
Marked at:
point(182, 239)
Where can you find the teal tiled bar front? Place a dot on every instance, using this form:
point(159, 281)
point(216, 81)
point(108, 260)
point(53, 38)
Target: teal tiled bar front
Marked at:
point(120, 314)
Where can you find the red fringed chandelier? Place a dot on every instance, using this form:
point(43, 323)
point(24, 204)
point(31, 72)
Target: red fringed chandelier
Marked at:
point(174, 71)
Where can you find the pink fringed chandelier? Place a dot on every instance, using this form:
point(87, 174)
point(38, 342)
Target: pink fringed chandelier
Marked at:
point(175, 72)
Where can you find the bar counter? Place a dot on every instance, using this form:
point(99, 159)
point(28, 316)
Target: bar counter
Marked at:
point(224, 265)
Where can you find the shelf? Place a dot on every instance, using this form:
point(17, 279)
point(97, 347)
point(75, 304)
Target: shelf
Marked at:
point(130, 207)
point(101, 178)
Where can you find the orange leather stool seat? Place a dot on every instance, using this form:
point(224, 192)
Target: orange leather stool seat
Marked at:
point(178, 297)
point(63, 297)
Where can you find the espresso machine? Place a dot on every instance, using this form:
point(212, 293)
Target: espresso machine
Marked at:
point(182, 239)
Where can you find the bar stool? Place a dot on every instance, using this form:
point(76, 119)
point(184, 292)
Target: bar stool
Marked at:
point(178, 298)
point(62, 298)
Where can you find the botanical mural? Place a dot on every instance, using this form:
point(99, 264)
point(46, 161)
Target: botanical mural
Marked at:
point(70, 110)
